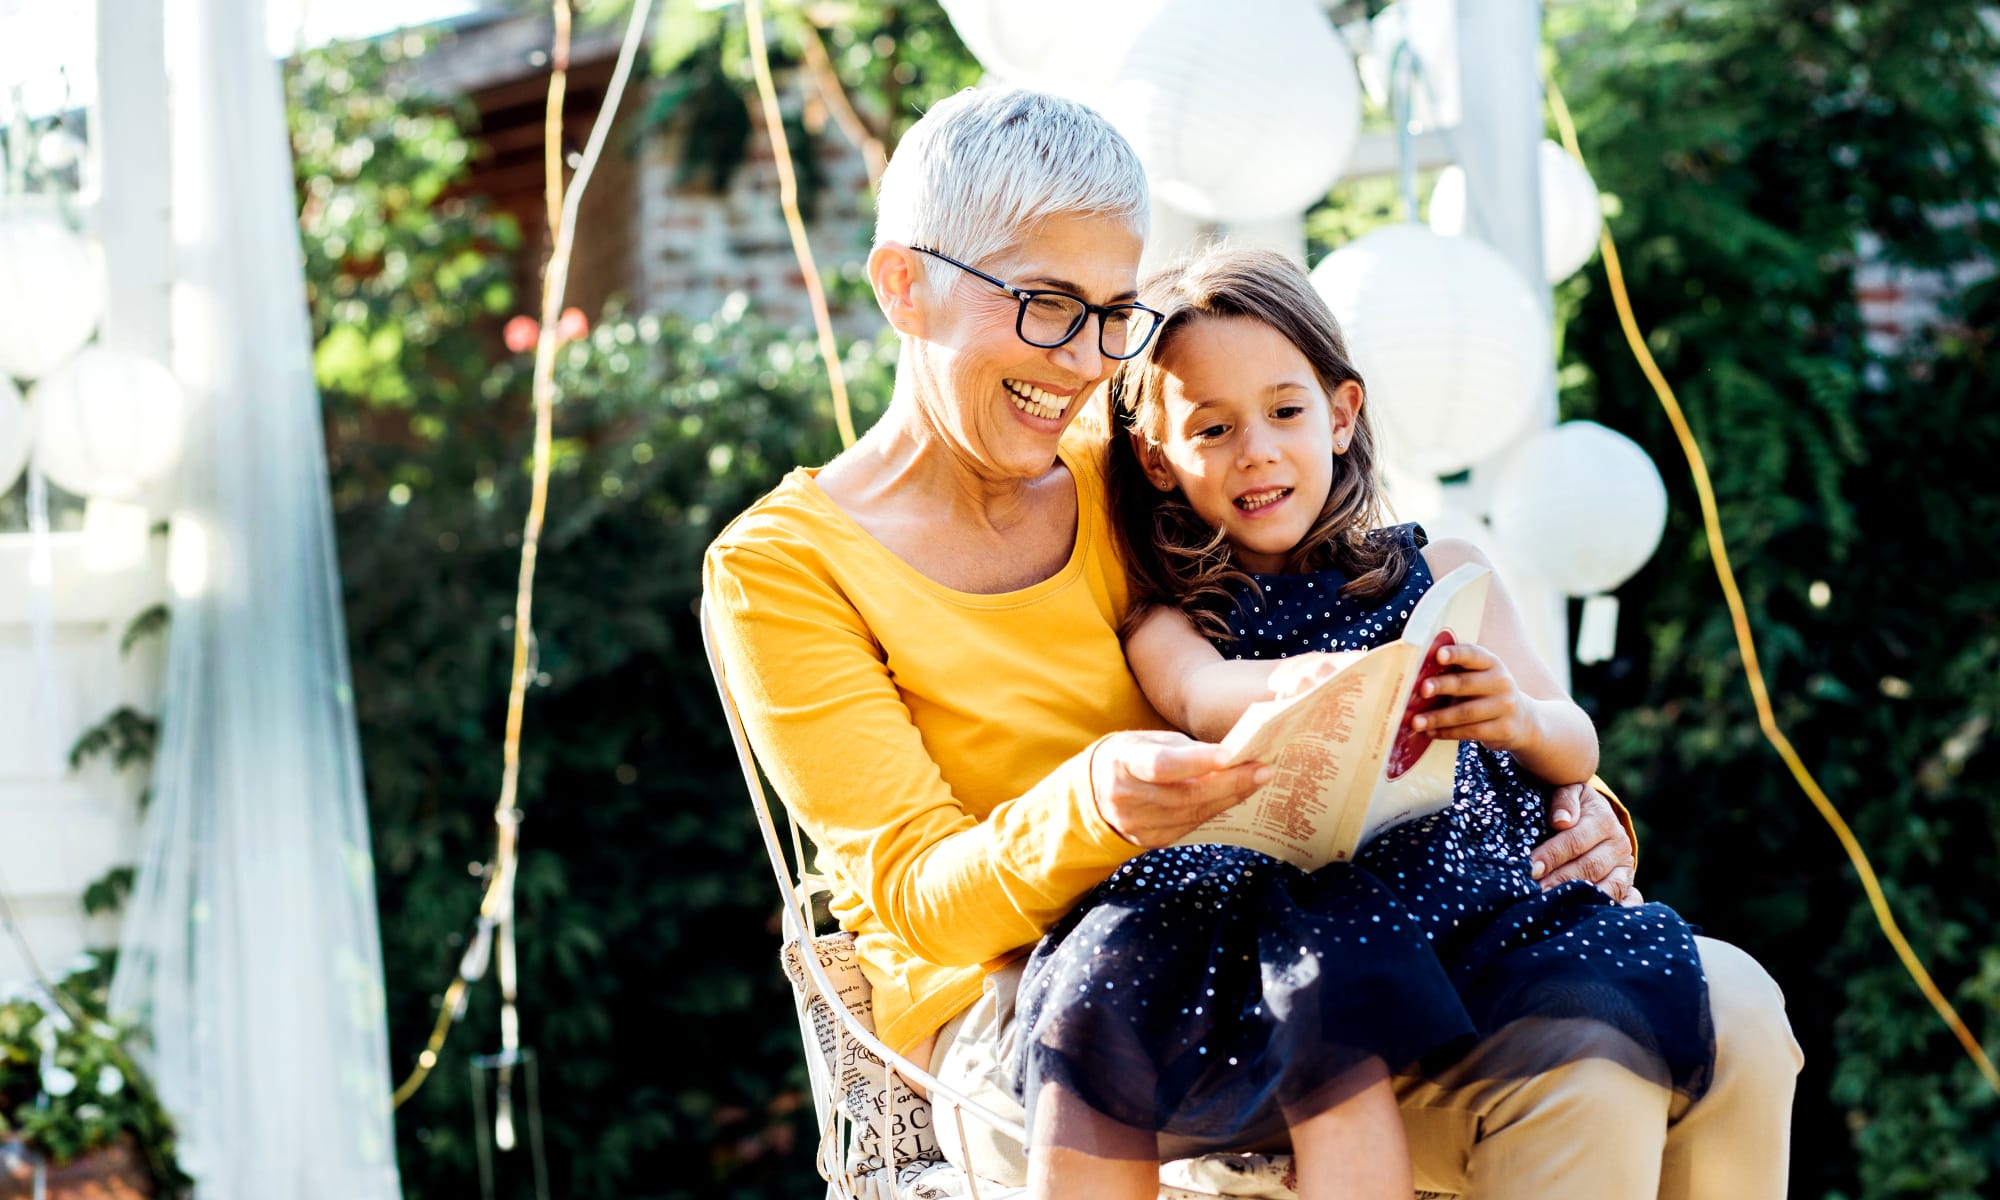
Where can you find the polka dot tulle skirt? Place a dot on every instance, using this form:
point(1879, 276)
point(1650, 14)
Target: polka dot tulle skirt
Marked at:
point(1202, 997)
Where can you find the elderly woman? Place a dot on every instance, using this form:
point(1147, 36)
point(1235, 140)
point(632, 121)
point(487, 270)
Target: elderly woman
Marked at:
point(923, 636)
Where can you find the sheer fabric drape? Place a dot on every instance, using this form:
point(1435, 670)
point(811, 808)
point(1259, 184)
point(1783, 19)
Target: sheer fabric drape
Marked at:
point(250, 946)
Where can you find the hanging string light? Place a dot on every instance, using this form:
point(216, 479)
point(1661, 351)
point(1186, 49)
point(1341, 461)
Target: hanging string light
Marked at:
point(493, 936)
point(788, 198)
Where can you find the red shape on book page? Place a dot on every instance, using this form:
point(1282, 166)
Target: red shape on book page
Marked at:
point(1410, 744)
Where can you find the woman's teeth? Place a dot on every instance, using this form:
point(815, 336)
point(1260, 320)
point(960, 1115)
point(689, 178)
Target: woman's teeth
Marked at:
point(1034, 401)
point(1257, 500)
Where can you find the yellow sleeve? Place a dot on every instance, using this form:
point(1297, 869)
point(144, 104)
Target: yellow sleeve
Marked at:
point(1624, 818)
point(830, 729)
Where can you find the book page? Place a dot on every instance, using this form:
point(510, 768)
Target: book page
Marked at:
point(1325, 746)
point(1347, 764)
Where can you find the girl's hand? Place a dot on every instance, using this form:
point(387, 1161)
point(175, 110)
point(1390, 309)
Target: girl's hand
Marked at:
point(1154, 787)
point(1485, 706)
point(1301, 671)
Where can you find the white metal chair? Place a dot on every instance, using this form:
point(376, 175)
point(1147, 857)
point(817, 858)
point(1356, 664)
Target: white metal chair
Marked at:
point(875, 1138)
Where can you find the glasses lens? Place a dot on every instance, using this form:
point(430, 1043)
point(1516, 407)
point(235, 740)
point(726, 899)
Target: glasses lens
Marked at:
point(1126, 331)
point(1049, 318)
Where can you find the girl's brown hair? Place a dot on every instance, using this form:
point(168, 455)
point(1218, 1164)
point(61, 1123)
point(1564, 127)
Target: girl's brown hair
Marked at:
point(1172, 555)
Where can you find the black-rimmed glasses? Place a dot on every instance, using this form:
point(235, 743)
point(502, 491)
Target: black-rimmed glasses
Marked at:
point(1050, 319)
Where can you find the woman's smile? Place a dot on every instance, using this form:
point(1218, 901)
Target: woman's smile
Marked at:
point(1038, 401)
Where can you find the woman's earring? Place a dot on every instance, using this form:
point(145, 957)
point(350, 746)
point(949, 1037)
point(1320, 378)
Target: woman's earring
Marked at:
point(1165, 484)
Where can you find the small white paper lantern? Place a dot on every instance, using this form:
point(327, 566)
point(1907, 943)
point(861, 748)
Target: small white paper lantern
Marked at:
point(1571, 215)
point(1456, 352)
point(108, 422)
point(1240, 112)
point(16, 434)
point(51, 291)
point(1582, 504)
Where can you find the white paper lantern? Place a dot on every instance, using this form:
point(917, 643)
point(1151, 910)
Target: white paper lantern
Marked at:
point(1241, 112)
point(51, 292)
point(1056, 46)
point(108, 422)
point(1413, 495)
point(1459, 518)
point(16, 434)
point(1571, 215)
point(1456, 352)
point(1581, 504)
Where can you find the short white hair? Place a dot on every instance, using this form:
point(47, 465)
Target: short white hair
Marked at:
point(981, 168)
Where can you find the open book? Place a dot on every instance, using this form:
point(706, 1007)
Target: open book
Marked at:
point(1348, 764)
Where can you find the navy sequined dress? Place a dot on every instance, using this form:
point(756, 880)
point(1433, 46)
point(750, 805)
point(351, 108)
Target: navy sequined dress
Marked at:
point(1203, 994)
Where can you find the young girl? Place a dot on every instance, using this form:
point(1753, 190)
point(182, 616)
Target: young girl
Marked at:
point(1211, 998)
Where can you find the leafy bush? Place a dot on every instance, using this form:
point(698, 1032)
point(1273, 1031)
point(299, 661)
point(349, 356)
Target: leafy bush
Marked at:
point(68, 1084)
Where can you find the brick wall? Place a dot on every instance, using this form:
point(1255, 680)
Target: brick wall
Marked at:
point(697, 247)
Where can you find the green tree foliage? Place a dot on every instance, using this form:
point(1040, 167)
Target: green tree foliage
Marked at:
point(669, 1062)
point(1750, 146)
point(893, 59)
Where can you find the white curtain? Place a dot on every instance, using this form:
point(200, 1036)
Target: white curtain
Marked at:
point(250, 947)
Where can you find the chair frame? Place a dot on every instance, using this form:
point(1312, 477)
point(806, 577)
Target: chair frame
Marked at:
point(836, 1126)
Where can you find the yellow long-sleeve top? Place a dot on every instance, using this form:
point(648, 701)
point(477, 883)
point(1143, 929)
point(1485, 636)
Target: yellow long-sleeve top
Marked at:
point(934, 744)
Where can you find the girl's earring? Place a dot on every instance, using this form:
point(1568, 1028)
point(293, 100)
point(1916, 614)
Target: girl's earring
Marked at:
point(1164, 484)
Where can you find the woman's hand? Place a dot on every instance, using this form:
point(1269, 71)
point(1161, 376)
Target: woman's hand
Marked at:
point(1152, 787)
point(1300, 672)
point(1590, 844)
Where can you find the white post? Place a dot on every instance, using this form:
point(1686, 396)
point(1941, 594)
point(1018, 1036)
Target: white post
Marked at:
point(1499, 141)
point(131, 213)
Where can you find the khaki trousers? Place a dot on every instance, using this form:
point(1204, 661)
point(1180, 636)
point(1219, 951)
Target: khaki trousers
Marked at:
point(1600, 1126)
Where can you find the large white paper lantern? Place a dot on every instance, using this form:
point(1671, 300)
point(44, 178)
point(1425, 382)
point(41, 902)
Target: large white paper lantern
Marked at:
point(1056, 46)
point(107, 423)
point(1241, 112)
point(1582, 504)
point(1571, 215)
point(51, 291)
point(1456, 351)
